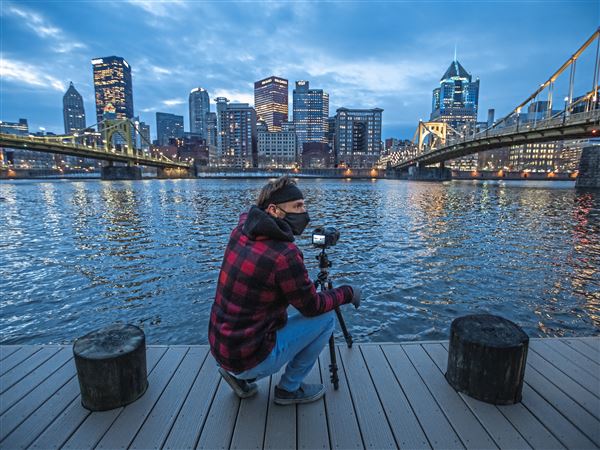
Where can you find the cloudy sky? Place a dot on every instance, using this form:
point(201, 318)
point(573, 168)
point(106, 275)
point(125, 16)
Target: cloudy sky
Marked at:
point(387, 54)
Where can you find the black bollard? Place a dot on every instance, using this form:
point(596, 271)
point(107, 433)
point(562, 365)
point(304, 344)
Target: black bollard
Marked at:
point(487, 358)
point(111, 366)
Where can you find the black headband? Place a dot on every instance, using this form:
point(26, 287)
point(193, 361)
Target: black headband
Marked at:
point(287, 193)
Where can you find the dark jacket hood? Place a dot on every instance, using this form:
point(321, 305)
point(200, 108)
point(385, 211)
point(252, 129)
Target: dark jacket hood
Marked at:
point(260, 224)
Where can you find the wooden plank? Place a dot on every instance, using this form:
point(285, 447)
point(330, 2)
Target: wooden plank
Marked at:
point(536, 434)
point(435, 424)
point(220, 422)
point(36, 397)
point(559, 426)
point(342, 424)
point(562, 363)
point(65, 423)
point(564, 383)
point(312, 418)
point(583, 420)
point(24, 369)
point(592, 367)
point(125, 427)
point(36, 423)
point(185, 432)
point(401, 417)
point(592, 341)
point(156, 428)
point(17, 358)
point(97, 424)
point(249, 431)
point(466, 425)
point(372, 420)
point(585, 350)
point(498, 426)
point(7, 350)
point(37, 376)
point(280, 431)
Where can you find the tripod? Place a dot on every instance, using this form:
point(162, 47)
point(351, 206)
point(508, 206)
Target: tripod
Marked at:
point(325, 283)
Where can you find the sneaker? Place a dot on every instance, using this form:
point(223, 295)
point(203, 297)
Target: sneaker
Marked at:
point(306, 393)
point(242, 388)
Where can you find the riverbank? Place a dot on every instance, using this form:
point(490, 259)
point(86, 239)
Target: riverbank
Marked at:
point(205, 172)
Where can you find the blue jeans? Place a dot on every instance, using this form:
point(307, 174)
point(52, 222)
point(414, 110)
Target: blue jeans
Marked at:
point(298, 345)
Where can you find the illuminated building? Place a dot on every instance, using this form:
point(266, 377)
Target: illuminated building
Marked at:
point(455, 101)
point(358, 136)
point(236, 135)
point(271, 101)
point(143, 133)
point(199, 102)
point(168, 126)
point(25, 159)
point(277, 149)
point(311, 111)
point(73, 110)
point(112, 84)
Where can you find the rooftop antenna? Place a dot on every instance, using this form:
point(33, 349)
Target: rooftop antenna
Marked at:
point(455, 51)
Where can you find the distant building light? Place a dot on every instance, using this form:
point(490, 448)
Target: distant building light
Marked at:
point(97, 61)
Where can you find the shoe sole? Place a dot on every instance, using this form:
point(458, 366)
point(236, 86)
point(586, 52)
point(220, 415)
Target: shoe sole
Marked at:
point(295, 401)
point(233, 385)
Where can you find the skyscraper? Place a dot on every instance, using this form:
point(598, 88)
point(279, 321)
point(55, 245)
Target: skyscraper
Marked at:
point(168, 126)
point(199, 102)
point(236, 134)
point(311, 110)
point(358, 136)
point(455, 101)
point(112, 83)
point(271, 101)
point(73, 110)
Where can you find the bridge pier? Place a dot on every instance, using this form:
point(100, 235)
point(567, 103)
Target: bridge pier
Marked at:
point(175, 172)
point(417, 173)
point(589, 168)
point(121, 172)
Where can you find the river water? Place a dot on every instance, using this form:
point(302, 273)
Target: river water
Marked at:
point(78, 255)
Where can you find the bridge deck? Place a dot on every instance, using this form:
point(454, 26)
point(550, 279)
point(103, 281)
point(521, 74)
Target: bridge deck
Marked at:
point(390, 396)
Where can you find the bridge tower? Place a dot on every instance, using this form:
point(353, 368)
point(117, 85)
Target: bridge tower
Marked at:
point(437, 130)
point(120, 127)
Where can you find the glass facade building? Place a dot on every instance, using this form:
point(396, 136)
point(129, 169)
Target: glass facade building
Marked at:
point(311, 111)
point(455, 101)
point(271, 101)
point(168, 126)
point(358, 137)
point(199, 102)
point(112, 85)
point(73, 110)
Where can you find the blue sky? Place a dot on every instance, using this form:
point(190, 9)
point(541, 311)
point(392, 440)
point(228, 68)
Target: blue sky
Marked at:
point(365, 54)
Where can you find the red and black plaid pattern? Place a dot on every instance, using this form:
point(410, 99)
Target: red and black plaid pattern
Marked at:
point(258, 280)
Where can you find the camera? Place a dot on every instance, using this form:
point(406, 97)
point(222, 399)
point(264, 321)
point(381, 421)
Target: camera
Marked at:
point(325, 237)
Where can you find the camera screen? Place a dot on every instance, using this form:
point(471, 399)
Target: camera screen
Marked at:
point(318, 239)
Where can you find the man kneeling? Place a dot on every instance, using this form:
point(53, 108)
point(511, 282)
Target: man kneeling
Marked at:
point(263, 273)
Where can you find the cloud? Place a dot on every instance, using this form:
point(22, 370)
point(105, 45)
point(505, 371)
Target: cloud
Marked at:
point(157, 8)
point(235, 96)
point(44, 29)
point(23, 73)
point(174, 102)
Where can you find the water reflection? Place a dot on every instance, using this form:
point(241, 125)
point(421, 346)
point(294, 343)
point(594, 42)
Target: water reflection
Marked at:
point(78, 255)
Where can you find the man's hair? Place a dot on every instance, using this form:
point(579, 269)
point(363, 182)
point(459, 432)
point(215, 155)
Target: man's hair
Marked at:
point(272, 186)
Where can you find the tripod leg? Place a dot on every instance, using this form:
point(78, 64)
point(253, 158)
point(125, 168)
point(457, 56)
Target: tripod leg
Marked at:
point(347, 336)
point(333, 365)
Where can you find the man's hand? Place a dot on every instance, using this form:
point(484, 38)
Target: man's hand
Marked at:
point(356, 294)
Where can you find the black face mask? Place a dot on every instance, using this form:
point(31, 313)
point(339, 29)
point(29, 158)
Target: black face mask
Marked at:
point(297, 222)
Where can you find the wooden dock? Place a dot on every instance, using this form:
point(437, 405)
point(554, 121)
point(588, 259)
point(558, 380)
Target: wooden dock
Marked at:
point(390, 396)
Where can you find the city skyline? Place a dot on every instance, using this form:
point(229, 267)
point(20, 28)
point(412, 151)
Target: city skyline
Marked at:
point(392, 62)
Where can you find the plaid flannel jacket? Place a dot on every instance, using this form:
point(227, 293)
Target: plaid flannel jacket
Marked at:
point(260, 276)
